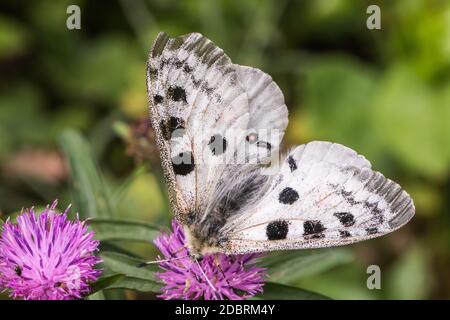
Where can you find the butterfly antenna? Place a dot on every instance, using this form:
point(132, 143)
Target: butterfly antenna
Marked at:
point(146, 263)
point(216, 262)
point(204, 274)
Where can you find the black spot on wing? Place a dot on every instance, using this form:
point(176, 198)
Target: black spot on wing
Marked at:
point(277, 230)
point(348, 196)
point(344, 233)
point(377, 213)
point(157, 99)
point(288, 196)
point(292, 163)
point(217, 144)
point(371, 230)
point(153, 73)
point(187, 68)
point(172, 128)
point(183, 163)
point(178, 64)
point(313, 229)
point(177, 94)
point(346, 218)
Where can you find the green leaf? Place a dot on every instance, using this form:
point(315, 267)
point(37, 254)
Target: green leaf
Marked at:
point(13, 37)
point(138, 284)
point(120, 192)
point(278, 291)
point(404, 102)
point(99, 295)
point(122, 129)
point(140, 279)
point(127, 265)
point(105, 282)
point(337, 95)
point(347, 282)
point(411, 276)
point(90, 193)
point(143, 199)
point(123, 230)
point(288, 267)
point(111, 246)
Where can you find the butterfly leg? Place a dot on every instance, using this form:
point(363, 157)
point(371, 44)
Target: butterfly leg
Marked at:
point(172, 258)
point(217, 263)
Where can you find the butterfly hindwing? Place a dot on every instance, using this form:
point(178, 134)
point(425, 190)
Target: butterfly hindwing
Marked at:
point(324, 195)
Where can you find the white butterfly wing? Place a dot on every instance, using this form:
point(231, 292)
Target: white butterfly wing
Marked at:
point(268, 112)
point(324, 195)
point(202, 107)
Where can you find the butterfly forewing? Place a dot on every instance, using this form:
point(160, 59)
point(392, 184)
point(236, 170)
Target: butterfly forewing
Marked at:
point(202, 107)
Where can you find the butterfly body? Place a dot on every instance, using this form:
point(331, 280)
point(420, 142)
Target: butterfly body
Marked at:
point(219, 127)
point(234, 193)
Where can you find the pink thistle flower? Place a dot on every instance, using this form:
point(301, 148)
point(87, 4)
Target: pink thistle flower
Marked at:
point(215, 277)
point(47, 256)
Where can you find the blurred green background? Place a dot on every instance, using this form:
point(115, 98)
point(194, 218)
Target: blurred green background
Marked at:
point(385, 93)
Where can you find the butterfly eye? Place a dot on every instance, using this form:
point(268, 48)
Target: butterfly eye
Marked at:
point(252, 138)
